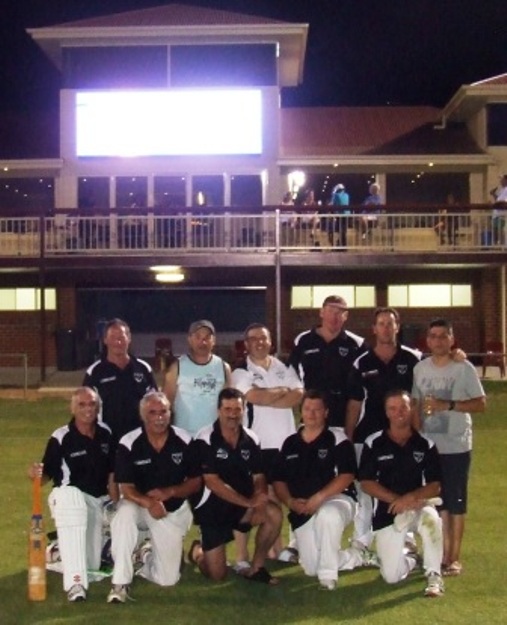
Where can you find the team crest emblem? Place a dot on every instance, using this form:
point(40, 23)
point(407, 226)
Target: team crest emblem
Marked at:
point(343, 351)
point(418, 456)
point(322, 453)
point(402, 369)
point(245, 454)
point(105, 448)
point(138, 377)
point(222, 453)
point(177, 458)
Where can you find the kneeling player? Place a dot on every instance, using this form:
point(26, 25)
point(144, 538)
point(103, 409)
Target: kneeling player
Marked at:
point(313, 477)
point(79, 461)
point(153, 470)
point(235, 492)
point(400, 468)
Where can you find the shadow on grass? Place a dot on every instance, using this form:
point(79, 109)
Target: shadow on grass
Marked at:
point(360, 595)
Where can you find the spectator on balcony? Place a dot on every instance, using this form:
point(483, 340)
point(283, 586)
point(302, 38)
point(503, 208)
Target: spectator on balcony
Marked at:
point(193, 381)
point(120, 379)
point(499, 195)
point(339, 200)
point(368, 219)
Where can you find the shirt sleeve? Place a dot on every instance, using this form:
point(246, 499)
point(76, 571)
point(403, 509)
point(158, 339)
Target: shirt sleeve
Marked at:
point(52, 460)
point(292, 379)
point(433, 470)
point(242, 380)
point(355, 388)
point(367, 464)
point(345, 457)
point(123, 467)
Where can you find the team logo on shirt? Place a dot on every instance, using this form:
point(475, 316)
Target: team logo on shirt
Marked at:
point(138, 377)
point(206, 384)
point(104, 448)
point(402, 369)
point(343, 351)
point(418, 456)
point(222, 453)
point(322, 453)
point(245, 454)
point(369, 374)
point(177, 457)
point(76, 454)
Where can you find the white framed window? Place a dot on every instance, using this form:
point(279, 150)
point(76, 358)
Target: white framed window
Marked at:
point(313, 296)
point(429, 295)
point(26, 299)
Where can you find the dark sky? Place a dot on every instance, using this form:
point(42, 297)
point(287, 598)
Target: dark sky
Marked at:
point(360, 52)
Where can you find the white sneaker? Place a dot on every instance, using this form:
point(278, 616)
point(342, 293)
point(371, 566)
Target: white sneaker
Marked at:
point(435, 586)
point(327, 584)
point(141, 554)
point(119, 593)
point(241, 566)
point(76, 593)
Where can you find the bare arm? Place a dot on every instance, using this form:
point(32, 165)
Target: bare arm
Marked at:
point(276, 396)
point(352, 416)
point(179, 491)
point(400, 503)
point(171, 382)
point(227, 493)
point(113, 488)
point(475, 404)
point(227, 374)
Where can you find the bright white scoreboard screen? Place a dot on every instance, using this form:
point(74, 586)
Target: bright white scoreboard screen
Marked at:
point(169, 123)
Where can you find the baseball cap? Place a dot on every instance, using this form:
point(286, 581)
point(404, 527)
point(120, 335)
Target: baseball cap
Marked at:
point(202, 323)
point(340, 186)
point(337, 300)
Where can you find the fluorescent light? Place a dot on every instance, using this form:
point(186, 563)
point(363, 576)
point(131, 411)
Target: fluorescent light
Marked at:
point(166, 268)
point(169, 277)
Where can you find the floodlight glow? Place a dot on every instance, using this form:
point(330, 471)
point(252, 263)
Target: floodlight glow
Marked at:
point(169, 277)
point(169, 123)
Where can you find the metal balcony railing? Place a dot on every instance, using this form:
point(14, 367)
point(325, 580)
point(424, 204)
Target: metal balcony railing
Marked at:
point(115, 234)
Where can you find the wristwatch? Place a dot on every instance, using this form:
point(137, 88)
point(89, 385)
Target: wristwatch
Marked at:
point(452, 404)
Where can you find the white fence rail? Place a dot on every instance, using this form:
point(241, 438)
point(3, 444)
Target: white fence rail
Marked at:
point(116, 234)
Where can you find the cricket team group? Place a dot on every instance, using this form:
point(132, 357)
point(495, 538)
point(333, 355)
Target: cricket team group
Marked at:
point(382, 444)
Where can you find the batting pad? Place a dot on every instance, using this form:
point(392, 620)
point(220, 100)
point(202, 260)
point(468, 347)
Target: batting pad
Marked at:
point(68, 509)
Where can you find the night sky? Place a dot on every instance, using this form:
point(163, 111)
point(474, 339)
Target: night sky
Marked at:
point(360, 52)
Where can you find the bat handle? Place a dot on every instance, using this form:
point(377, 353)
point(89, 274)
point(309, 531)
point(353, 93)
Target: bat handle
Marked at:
point(36, 495)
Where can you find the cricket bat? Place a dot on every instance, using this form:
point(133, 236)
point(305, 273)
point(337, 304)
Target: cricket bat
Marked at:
point(37, 547)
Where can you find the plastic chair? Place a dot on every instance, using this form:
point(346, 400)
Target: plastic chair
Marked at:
point(494, 357)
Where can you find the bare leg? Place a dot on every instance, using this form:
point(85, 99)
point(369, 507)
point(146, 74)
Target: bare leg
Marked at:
point(268, 531)
point(212, 563)
point(241, 543)
point(457, 528)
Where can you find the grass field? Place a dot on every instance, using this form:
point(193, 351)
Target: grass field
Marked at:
point(477, 597)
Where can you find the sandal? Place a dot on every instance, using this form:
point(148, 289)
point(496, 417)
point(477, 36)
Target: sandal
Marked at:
point(453, 569)
point(262, 576)
point(191, 552)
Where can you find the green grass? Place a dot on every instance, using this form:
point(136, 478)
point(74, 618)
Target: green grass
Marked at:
point(477, 597)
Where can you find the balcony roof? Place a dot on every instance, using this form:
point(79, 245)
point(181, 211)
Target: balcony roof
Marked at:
point(177, 24)
point(469, 99)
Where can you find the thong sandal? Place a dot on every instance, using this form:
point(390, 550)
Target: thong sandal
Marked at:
point(262, 576)
point(191, 557)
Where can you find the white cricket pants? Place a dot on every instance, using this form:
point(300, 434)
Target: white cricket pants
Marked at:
point(162, 566)
point(319, 540)
point(362, 521)
point(394, 564)
point(79, 522)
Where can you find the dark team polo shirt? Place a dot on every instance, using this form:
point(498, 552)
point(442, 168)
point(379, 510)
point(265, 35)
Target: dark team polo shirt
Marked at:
point(120, 391)
point(369, 380)
point(307, 467)
point(73, 459)
point(326, 366)
point(236, 466)
point(400, 468)
point(138, 463)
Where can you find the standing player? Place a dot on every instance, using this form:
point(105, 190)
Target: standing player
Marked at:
point(445, 392)
point(120, 379)
point(271, 390)
point(382, 368)
point(154, 471)
point(234, 496)
point(324, 355)
point(79, 460)
point(400, 468)
point(194, 380)
point(313, 477)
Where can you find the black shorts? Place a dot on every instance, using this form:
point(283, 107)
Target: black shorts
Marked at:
point(213, 536)
point(268, 462)
point(455, 471)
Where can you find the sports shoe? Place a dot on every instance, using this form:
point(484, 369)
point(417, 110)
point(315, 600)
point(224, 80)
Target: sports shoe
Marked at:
point(288, 554)
point(76, 593)
point(141, 553)
point(119, 593)
point(435, 586)
point(327, 584)
point(241, 567)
